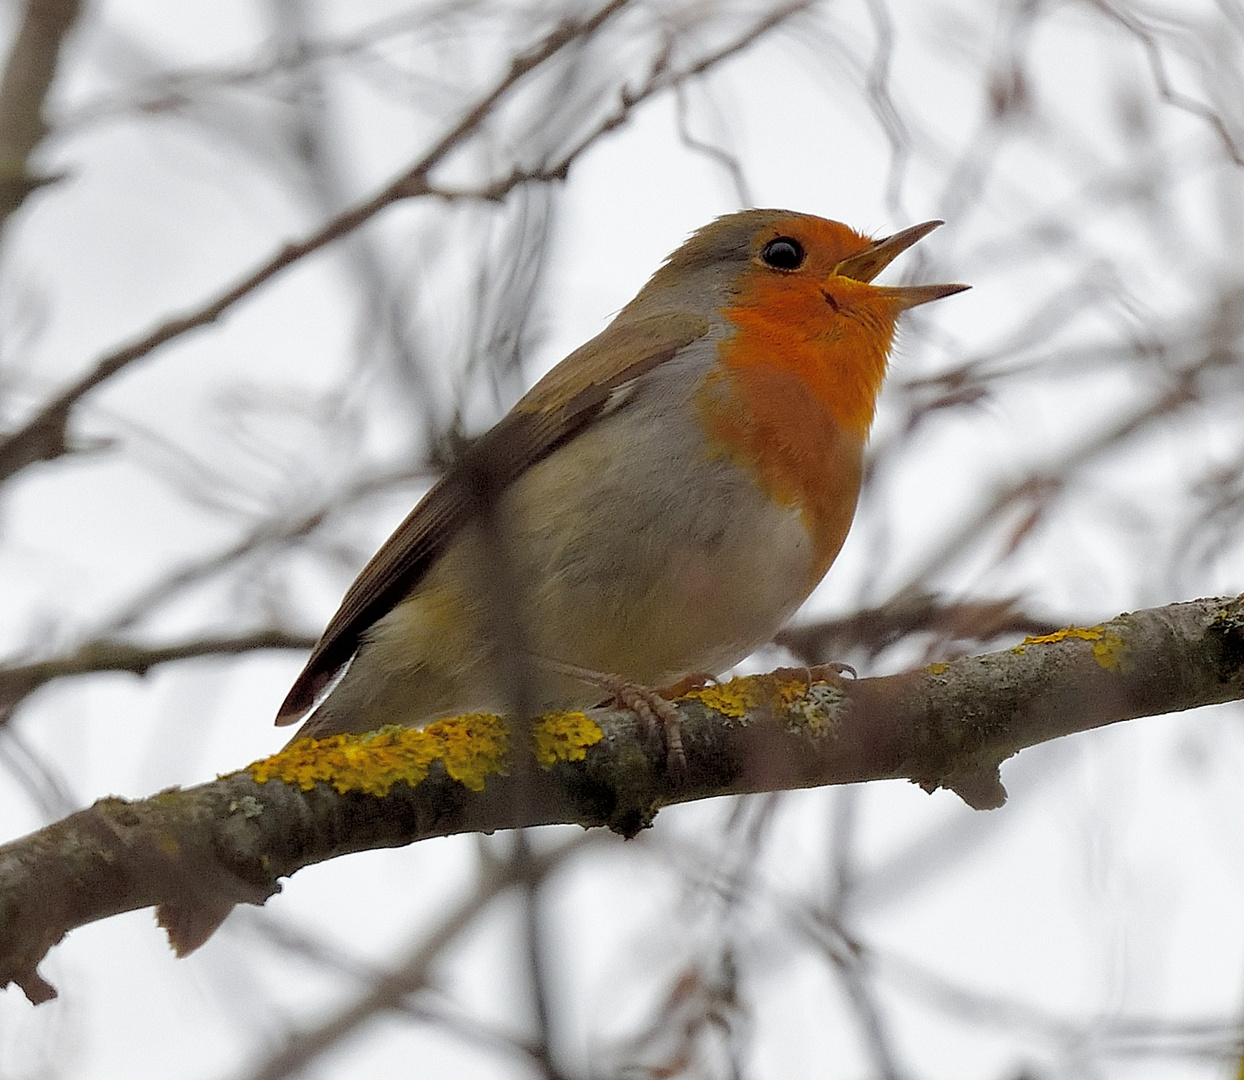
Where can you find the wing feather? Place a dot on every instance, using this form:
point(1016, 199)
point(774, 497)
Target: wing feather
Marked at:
point(558, 407)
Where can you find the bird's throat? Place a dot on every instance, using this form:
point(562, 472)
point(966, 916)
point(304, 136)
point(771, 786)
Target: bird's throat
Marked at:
point(833, 339)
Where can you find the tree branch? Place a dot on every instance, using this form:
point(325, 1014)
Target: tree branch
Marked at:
point(28, 75)
point(199, 851)
point(105, 654)
point(43, 437)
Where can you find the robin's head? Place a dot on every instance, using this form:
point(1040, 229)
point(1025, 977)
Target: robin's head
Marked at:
point(794, 296)
point(806, 267)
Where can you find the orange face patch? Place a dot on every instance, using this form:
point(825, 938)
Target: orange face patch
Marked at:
point(826, 242)
point(832, 334)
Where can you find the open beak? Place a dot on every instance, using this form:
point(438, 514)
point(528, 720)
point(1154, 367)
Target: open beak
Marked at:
point(867, 264)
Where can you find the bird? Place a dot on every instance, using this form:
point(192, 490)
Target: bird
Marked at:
point(653, 510)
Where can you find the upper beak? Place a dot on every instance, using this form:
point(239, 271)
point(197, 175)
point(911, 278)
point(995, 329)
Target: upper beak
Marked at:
point(867, 264)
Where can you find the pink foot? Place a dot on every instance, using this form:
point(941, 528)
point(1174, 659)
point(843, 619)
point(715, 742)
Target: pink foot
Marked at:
point(651, 706)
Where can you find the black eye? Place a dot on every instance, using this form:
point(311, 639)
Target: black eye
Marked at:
point(784, 253)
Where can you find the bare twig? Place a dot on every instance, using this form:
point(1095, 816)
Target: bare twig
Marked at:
point(948, 622)
point(273, 534)
point(724, 158)
point(403, 987)
point(19, 680)
point(1162, 81)
point(849, 963)
point(171, 89)
point(389, 991)
point(1033, 493)
point(43, 437)
point(27, 78)
point(659, 79)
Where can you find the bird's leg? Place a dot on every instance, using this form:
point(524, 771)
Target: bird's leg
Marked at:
point(653, 707)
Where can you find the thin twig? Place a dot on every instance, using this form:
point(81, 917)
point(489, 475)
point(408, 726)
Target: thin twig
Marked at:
point(19, 680)
point(28, 75)
point(44, 436)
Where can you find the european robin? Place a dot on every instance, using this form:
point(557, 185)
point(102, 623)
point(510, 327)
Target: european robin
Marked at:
point(665, 497)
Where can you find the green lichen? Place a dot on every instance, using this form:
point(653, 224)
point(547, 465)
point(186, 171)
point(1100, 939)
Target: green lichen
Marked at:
point(814, 710)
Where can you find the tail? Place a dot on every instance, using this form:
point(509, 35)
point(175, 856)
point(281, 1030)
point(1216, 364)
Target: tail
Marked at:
point(319, 725)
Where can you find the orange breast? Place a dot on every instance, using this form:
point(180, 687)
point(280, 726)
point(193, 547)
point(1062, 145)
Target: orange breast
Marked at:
point(794, 395)
point(764, 418)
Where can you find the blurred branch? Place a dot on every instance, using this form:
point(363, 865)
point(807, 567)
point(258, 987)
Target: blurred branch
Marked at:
point(172, 89)
point(1162, 81)
point(1109, 1033)
point(279, 532)
point(850, 963)
point(199, 851)
point(724, 158)
point(44, 436)
point(405, 987)
point(24, 86)
point(391, 990)
point(659, 79)
point(1033, 494)
point(912, 612)
point(19, 680)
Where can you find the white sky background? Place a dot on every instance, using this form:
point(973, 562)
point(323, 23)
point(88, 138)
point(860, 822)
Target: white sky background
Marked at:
point(1053, 935)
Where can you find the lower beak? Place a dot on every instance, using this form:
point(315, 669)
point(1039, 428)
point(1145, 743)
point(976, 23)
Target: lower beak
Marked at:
point(910, 296)
point(867, 264)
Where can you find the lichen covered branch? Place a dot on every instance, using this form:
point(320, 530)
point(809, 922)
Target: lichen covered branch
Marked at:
point(195, 853)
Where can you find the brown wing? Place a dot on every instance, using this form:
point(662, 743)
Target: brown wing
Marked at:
point(552, 412)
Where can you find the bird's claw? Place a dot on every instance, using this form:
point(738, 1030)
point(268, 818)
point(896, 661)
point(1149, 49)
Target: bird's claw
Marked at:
point(657, 713)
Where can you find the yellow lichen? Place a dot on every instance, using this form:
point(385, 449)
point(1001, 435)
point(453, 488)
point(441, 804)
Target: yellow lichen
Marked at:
point(1109, 652)
point(1108, 648)
point(938, 668)
point(802, 701)
point(732, 698)
point(371, 763)
point(1084, 633)
point(564, 736)
point(472, 748)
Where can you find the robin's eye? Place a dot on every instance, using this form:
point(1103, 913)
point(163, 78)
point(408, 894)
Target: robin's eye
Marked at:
point(784, 253)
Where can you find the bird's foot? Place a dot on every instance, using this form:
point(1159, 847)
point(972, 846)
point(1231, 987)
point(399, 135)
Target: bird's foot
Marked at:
point(657, 712)
point(831, 671)
point(653, 707)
